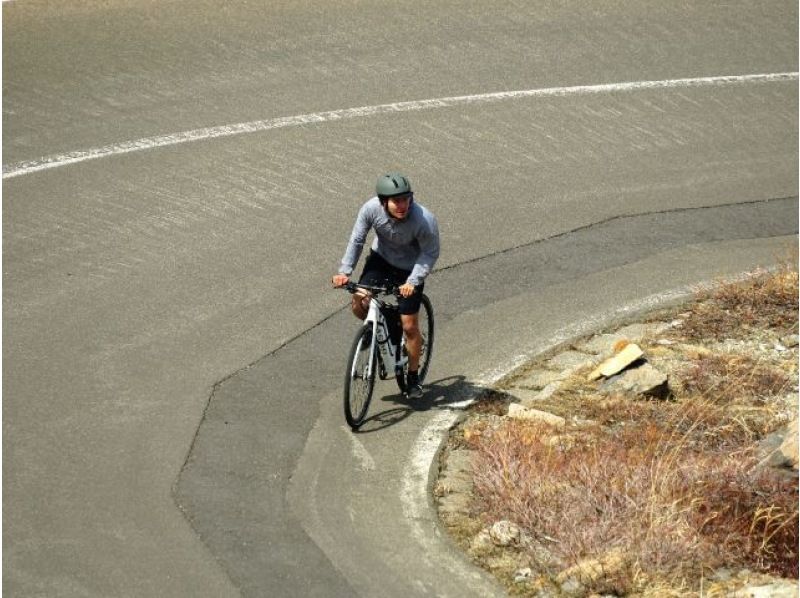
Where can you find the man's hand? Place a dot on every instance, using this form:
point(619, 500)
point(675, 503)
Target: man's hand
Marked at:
point(407, 290)
point(339, 280)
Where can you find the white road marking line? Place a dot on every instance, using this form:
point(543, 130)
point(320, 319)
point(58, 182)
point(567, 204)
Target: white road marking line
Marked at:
point(360, 451)
point(148, 143)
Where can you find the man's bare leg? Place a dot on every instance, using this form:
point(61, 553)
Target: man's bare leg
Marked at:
point(413, 339)
point(360, 305)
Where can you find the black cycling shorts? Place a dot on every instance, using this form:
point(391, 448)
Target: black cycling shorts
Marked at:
point(378, 272)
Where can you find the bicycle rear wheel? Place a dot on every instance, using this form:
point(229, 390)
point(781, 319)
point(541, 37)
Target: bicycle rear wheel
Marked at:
point(359, 382)
point(426, 330)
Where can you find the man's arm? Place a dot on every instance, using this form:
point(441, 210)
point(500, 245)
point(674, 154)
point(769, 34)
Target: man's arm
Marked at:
point(429, 250)
point(357, 239)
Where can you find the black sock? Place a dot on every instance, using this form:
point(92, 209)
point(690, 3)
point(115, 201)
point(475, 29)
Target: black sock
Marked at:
point(413, 377)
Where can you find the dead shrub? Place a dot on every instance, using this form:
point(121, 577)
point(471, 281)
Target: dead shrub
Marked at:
point(642, 487)
point(676, 484)
point(726, 378)
point(726, 399)
point(766, 301)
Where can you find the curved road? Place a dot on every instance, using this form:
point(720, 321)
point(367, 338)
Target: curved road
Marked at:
point(172, 354)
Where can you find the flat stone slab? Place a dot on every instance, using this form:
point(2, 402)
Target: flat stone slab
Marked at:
point(619, 362)
point(529, 398)
point(643, 380)
point(459, 460)
point(538, 379)
point(517, 411)
point(457, 475)
point(602, 344)
point(455, 504)
point(570, 360)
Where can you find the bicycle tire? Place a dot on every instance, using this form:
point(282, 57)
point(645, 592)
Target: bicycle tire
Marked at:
point(426, 328)
point(358, 382)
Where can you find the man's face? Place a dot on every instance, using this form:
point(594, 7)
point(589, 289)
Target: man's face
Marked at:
point(398, 206)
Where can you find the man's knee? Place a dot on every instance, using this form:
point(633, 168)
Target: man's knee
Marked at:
point(410, 325)
point(360, 305)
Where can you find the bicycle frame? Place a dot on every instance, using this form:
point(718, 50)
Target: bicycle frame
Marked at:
point(392, 354)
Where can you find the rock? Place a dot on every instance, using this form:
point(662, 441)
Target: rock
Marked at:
point(455, 483)
point(525, 396)
point(481, 544)
point(505, 533)
point(460, 460)
point(789, 447)
point(635, 332)
point(790, 341)
point(644, 380)
point(601, 344)
point(517, 411)
point(570, 360)
point(694, 351)
point(454, 504)
point(601, 574)
point(747, 585)
point(779, 449)
point(722, 574)
point(619, 362)
point(538, 379)
point(778, 589)
point(533, 397)
point(522, 575)
point(573, 587)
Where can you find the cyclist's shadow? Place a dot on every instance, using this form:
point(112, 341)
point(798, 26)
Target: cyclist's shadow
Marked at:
point(446, 393)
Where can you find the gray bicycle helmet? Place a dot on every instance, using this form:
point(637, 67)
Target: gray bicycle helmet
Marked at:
point(391, 184)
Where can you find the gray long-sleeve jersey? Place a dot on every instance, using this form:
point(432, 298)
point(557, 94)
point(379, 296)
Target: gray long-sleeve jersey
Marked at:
point(409, 244)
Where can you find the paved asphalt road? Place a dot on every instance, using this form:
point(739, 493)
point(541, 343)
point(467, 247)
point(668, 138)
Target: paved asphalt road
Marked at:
point(171, 417)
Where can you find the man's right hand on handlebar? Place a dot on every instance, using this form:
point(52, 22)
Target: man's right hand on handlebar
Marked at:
point(339, 280)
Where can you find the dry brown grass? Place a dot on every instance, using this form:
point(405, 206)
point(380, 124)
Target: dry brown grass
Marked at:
point(677, 484)
point(764, 301)
point(643, 489)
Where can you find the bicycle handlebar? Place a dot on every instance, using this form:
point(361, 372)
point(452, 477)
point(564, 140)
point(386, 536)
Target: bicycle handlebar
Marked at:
point(352, 287)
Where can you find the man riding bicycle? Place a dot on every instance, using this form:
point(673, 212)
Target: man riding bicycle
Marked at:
point(405, 248)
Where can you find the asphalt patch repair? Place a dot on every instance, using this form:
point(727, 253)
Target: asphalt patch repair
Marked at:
point(562, 481)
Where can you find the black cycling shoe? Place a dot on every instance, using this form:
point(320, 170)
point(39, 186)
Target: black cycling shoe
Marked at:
point(414, 391)
point(413, 387)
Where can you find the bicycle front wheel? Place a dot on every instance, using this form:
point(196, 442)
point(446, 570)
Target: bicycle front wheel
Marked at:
point(425, 318)
point(359, 381)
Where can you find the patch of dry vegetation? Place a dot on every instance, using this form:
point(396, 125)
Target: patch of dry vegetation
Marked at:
point(671, 489)
point(765, 301)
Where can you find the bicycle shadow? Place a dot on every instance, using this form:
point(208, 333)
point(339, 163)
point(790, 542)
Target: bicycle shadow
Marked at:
point(446, 393)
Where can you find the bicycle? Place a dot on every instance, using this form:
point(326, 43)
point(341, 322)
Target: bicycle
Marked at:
point(379, 343)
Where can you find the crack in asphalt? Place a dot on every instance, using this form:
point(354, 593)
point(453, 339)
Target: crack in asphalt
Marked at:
point(506, 250)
